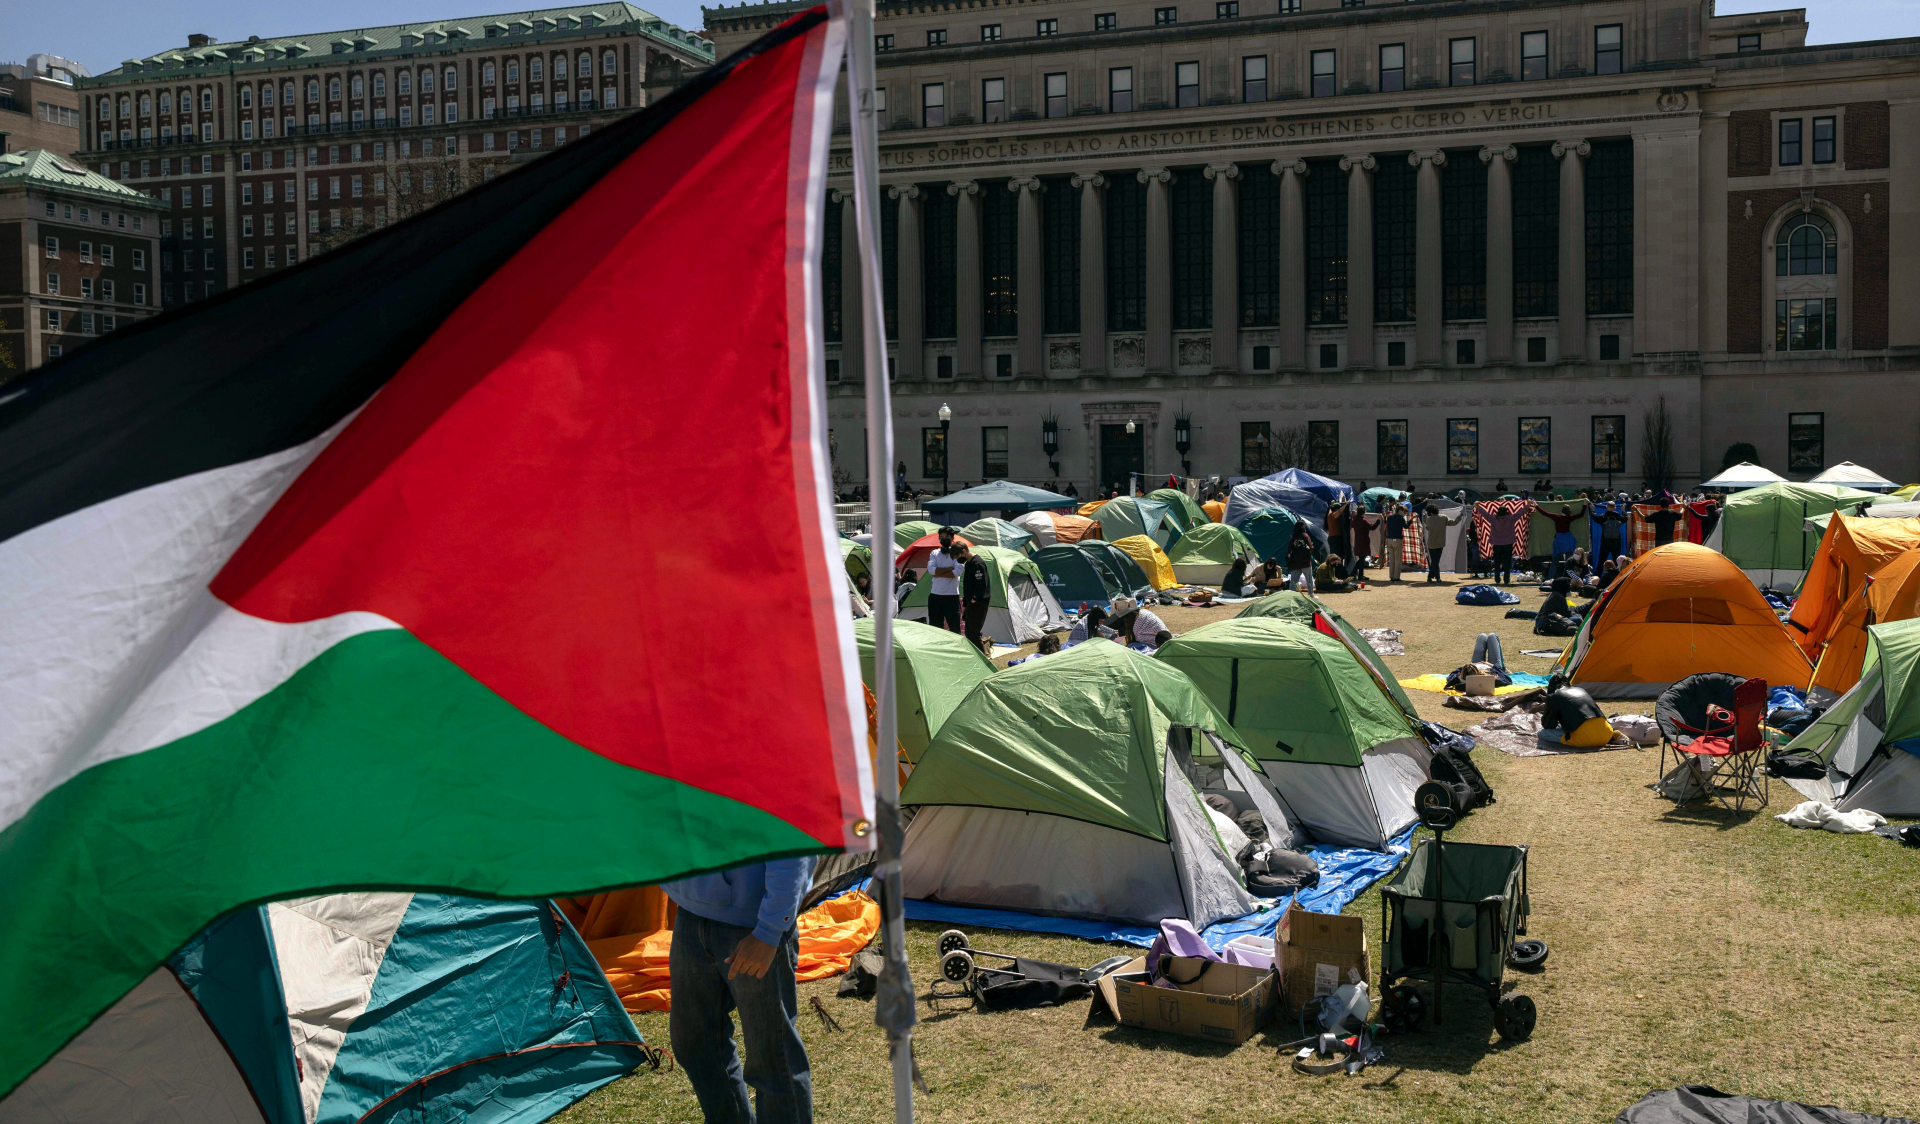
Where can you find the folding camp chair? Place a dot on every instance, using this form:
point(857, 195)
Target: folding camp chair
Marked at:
point(1711, 742)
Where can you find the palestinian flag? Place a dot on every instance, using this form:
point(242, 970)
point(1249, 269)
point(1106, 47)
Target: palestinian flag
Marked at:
point(491, 554)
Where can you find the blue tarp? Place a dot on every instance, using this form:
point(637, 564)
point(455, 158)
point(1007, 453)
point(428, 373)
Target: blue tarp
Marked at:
point(1271, 491)
point(1484, 595)
point(1345, 874)
point(1326, 487)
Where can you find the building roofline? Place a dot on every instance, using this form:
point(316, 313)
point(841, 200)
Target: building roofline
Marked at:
point(39, 169)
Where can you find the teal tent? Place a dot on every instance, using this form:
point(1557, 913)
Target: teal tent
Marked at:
point(1001, 496)
point(1269, 529)
point(1119, 566)
point(1077, 579)
point(1136, 515)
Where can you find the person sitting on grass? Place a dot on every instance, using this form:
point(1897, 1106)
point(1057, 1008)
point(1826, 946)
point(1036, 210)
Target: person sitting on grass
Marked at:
point(1143, 628)
point(1330, 577)
point(1049, 644)
point(1092, 623)
point(1556, 617)
point(1272, 575)
point(1572, 713)
point(1234, 584)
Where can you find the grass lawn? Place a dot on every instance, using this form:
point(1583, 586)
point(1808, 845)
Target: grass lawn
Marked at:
point(1687, 947)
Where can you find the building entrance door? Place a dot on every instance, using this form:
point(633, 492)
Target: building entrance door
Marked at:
point(1121, 455)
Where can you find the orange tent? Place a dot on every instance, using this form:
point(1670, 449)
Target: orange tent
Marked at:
point(1087, 509)
point(1677, 610)
point(1073, 528)
point(1216, 510)
point(1852, 550)
point(1891, 593)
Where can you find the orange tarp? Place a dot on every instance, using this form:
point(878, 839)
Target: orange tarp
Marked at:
point(1678, 610)
point(1216, 510)
point(1852, 549)
point(1073, 528)
point(1890, 594)
point(1090, 508)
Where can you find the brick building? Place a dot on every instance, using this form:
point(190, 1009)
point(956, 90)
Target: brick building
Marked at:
point(38, 105)
point(1453, 243)
point(79, 257)
point(263, 152)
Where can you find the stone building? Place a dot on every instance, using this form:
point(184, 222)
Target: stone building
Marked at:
point(38, 106)
point(1456, 242)
point(264, 152)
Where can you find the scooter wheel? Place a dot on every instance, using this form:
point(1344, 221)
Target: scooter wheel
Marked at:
point(1527, 956)
point(957, 966)
point(952, 939)
point(1515, 1018)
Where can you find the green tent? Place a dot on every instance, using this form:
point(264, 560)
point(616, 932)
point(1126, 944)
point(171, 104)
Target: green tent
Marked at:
point(1180, 508)
point(933, 669)
point(912, 531)
point(1117, 565)
point(1077, 579)
point(1291, 605)
point(1071, 786)
point(998, 532)
point(1763, 530)
point(1203, 555)
point(1136, 515)
point(1869, 739)
point(1021, 608)
point(858, 559)
point(1339, 750)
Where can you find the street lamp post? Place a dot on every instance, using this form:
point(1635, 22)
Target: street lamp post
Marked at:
point(1183, 442)
point(946, 461)
point(1131, 474)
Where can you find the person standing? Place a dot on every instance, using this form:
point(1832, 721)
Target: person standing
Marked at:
point(1436, 526)
point(1396, 532)
point(1611, 519)
point(1503, 529)
point(1564, 543)
point(735, 948)
point(1300, 559)
point(976, 596)
point(943, 594)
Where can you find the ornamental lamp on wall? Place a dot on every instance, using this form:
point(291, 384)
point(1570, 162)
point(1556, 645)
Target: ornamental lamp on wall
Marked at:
point(1050, 442)
point(1183, 441)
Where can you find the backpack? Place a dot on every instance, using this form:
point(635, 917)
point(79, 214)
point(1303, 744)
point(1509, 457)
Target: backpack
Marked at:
point(1457, 770)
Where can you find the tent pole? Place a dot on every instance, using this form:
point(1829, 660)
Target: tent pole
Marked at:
point(894, 1004)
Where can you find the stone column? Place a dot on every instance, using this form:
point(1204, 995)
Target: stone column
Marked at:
point(1030, 357)
point(1903, 227)
point(1293, 264)
point(1573, 249)
point(1226, 266)
point(1359, 171)
point(910, 349)
point(1159, 349)
point(1499, 252)
point(1093, 274)
point(1428, 308)
point(853, 350)
point(966, 279)
point(1712, 273)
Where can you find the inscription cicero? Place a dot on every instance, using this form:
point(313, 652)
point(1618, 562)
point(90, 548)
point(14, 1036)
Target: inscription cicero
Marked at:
point(964, 151)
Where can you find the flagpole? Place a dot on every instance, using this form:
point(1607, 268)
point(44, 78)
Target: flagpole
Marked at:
point(894, 1002)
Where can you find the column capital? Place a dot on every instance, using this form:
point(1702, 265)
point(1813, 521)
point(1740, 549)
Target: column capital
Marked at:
point(903, 191)
point(1026, 183)
point(1148, 175)
point(1437, 157)
point(1577, 147)
point(840, 194)
point(1084, 179)
point(1222, 171)
point(1364, 161)
point(1282, 167)
point(1501, 151)
point(963, 187)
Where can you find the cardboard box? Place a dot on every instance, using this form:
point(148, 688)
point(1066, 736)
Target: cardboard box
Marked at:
point(1228, 1003)
point(1319, 952)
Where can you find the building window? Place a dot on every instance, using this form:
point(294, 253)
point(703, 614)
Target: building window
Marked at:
point(140, 291)
point(1226, 9)
point(993, 449)
point(993, 100)
point(999, 260)
point(1126, 254)
point(989, 33)
point(1606, 49)
point(1262, 358)
point(1823, 137)
point(883, 43)
point(1259, 238)
point(879, 111)
point(933, 105)
point(53, 320)
point(1191, 251)
point(1536, 445)
point(937, 37)
point(1393, 68)
point(937, 211)
point(1044, 28)
point(1609, 348)
point(1805, 325)
point(246, 258)
point(831, 290)
point(1326, 243)
point(1256, 441)
point(943, 366)
point(1329, 356)
point(1463, 239)
point(1060, 256)
point(1397, 353)
point(1253, 78)
point(1106, 21)
point(53, 283)
point(1748, 44)
point(1789, 142)
point(1056, 93)
point(1120, 90)
point(1806, 245)
point(1609, 443)
point(1186, 84)
point(1322, 74)
point(1390, 447)
point(1609, 172)
point(1395, 189)
point(1536, 233)
point(1536, 349)
point(1533, 56)
point(1463, 446)
point(52, 246)
point(1806, 442)
point(139, 259)
point(1003, 365)
point(1323, 447)
point(1166, 17)
point(933, 452)
point(1460, 71)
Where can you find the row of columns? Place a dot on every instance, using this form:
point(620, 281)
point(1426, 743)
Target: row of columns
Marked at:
point(1030, 356)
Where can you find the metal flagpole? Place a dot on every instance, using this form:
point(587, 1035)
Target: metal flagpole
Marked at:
point(894, 1001)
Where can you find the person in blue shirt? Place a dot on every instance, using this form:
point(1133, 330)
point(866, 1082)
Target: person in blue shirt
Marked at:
point(735, 947)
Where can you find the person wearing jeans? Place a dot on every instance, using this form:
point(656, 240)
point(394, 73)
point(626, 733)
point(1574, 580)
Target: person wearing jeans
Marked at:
point(735, 948)
point(1486, 649)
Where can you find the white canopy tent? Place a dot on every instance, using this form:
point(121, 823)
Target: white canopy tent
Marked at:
point(1743, 475)
point(1853, 476)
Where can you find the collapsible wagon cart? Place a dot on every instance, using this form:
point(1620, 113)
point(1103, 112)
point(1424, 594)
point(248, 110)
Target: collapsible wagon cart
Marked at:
point(1451, 915)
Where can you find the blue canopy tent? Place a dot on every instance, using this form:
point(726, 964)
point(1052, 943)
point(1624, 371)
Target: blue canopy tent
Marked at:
point(1003, 498)
point(1271, 491)
point(1326, 487)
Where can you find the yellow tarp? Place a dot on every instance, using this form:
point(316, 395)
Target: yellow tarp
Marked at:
point(1152, 560)
point(1438, 685)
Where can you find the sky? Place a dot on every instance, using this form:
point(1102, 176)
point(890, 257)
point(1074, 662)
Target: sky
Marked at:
point(99, 34)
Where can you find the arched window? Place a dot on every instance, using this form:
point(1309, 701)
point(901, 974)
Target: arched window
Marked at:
point(606, 62)
point(166, 103)
point(146, 105)
point(246, 99)
point(313, 91)
point(426, 81)
point(486, 75)
point(125, 108)
point(1806, 245)
point(449, 76)
point(406, 81)
point(206, 101)
point(583, 66)
point(333, 89)
point(533, 69)
point(358, 86)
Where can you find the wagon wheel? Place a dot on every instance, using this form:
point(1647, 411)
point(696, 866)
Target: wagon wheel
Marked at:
point(957, 966)
point(1515, 1018)
point(952, 939)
